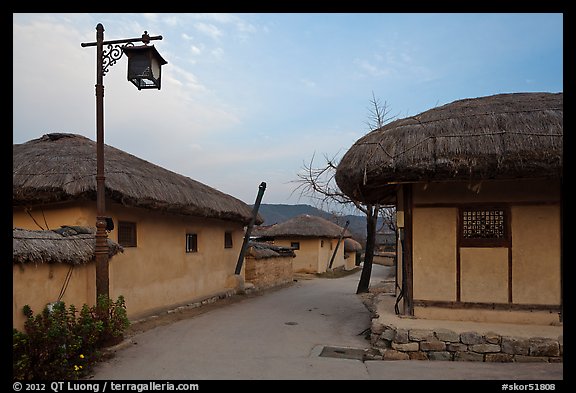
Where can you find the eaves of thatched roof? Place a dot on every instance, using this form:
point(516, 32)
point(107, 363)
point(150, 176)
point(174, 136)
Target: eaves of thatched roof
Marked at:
point(303, 226)
point(351, 245)
point(262, 250)
point(62, 167)
point(69, 245)
point(503, 136)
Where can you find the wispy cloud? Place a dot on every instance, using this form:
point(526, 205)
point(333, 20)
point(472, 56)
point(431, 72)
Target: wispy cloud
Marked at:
point(209, 29)
point(392, 62)
point(307, 83)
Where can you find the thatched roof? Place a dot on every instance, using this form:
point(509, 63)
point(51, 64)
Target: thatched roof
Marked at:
point(70, 245)
point(262, 250)
point(62, 167)
point(351, 245)
point(302, 226)
point(504, 136)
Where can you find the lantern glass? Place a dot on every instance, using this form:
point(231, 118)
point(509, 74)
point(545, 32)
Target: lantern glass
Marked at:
point(144, 66)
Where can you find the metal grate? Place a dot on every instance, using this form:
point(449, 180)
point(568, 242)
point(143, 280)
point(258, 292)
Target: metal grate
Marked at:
point(343, 353)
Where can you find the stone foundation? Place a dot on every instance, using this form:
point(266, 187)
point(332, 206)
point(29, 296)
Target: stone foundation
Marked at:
point(391, 343)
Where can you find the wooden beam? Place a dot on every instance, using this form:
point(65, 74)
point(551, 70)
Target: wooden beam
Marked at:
point(408, 251)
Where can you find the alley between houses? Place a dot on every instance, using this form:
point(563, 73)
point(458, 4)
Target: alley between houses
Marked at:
point(294, 332)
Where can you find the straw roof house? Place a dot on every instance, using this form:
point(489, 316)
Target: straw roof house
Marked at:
point(303, 226)
point(69, 245)
point(352, 253)
point(477, 188)
point(351, 245)
point(314, 239)
point(181, 238)
point(503, 136)
point(62, 167)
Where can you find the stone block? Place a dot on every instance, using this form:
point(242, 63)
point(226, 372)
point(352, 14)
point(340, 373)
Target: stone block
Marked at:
point(440, 355)
point(401, 336)
point(392, 354)
point(421, 334)
point(471, 338)
point(468, 357)
point(418, 355)
point(447, 335)
point(515, 345)
point(456, 347)
point(498, 357)
point(434, 345)
point(492, 338)
point(544, 347)
point(484, 348)
point(407, 347)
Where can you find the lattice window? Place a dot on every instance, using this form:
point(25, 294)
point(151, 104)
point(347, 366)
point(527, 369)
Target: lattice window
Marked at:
point(127, 234)
point(484, 226)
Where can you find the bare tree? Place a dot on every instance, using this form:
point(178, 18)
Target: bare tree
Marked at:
point(319, 183)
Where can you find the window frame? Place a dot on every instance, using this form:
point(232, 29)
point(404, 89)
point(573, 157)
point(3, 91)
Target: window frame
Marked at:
point(228, 239)
point(504, 241)
point(295, 245)
point(188, 248)
point(130, 226)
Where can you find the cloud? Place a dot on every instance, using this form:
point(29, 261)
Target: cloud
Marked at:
point(367, 67)
point(394, 63)
point(196, 50)
point(308, 83)
point(209, 29)
point(217, 52)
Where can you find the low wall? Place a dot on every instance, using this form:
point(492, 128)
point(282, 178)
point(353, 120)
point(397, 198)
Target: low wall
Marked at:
point(268, 272)
point(391, 343)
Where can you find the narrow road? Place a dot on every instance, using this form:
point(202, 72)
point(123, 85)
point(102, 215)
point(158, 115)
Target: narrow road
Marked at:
point(282, 335)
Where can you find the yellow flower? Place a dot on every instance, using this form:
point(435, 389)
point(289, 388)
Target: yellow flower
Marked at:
point(76, 368)
point(81, 356)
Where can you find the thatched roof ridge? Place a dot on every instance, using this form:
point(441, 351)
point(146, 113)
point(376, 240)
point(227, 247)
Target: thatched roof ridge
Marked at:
point(303, 226)
point(503, 136)
point(70, 245)
point(262, 250)
point(351, 245)
point(62, 167)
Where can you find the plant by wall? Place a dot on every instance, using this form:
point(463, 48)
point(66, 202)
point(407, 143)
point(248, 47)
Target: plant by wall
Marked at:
point(61, 344)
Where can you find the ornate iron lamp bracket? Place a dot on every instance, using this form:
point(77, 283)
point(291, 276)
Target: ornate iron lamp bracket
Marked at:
point(111, 55)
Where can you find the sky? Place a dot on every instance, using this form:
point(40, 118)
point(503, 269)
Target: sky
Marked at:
point(250, 98)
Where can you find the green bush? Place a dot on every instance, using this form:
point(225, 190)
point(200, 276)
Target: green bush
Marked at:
point(57, 344)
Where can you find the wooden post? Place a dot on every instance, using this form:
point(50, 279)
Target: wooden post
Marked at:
point(408, 275)
point(240, 261)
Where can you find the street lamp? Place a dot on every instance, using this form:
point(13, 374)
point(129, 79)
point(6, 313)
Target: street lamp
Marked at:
point(144, 66)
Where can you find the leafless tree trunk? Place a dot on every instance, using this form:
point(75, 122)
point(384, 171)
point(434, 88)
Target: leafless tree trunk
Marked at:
point(371, 223)
point(319, 183)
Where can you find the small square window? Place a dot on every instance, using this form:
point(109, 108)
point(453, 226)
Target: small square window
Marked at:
point(228, 240)
point(127, 234)
point(191, 242)
point(295, 245)
point(484, 226)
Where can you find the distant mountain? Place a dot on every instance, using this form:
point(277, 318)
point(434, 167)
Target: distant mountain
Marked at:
point(275, 213)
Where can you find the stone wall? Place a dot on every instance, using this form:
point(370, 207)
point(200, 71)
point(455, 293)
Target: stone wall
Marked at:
point(391, 343)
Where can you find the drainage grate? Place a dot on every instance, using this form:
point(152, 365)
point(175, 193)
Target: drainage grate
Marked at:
point(343, 353)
